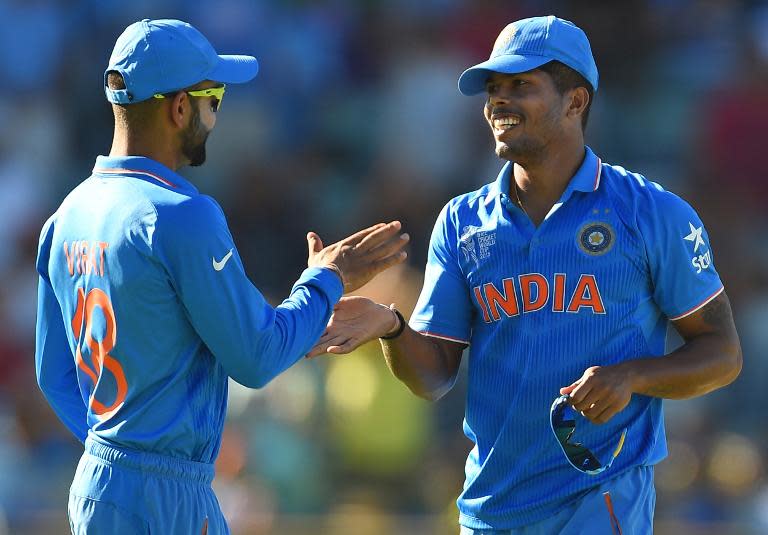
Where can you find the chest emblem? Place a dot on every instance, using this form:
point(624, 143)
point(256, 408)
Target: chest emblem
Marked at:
point(596, 238)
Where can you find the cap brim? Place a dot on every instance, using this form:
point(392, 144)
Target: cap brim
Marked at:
point(235, 69)
point(472, 81)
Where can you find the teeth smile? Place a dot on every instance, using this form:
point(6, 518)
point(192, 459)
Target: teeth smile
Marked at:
point(504, 123)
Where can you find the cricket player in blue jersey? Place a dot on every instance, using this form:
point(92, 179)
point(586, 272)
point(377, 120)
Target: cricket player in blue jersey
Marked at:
point(144, 307)
point(561, 277)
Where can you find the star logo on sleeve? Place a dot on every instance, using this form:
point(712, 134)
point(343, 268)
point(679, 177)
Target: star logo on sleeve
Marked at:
point(695, 236)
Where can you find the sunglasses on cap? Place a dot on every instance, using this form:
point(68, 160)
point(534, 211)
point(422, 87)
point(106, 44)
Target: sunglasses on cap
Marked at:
point(562, 420)
point(216, 92)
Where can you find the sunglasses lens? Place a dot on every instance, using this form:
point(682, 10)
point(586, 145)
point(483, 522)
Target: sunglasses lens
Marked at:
point(581, 457)
point(219, 98)
point(563, 427)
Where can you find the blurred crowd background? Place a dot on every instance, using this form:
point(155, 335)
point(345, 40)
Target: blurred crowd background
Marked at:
point(355, 118)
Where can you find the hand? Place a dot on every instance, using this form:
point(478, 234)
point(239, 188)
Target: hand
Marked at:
point(361, 256)
point(355, 321)
point(601, 393)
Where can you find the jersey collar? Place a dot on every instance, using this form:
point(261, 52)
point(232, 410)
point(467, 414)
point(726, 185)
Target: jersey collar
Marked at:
point(143, 168)
point(586, 179)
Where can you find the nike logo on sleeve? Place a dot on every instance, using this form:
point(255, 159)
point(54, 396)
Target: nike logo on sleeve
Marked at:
point(218, 266)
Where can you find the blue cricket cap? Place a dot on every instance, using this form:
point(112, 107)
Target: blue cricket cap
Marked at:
point(162, 56)
point(529, 43)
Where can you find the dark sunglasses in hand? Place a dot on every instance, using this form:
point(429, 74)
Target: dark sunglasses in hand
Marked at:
point(562, 420)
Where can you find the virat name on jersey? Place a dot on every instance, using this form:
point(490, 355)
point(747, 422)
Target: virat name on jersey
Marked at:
point(85, 257)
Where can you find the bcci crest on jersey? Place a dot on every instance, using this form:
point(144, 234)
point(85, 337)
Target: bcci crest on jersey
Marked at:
point(476, 243)
point(595, 238)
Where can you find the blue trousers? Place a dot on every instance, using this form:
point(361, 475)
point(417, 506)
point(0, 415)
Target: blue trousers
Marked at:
point(633, 498)
point(117, 491)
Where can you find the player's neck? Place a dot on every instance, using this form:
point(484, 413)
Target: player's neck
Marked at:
point(125, 143)
point(540, 184)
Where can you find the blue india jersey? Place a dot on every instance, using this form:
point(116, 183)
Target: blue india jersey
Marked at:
point(597, 283)
point(145, 311)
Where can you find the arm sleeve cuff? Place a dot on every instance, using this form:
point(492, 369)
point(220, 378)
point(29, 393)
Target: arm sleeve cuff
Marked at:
point(438, 331)
point(325, 280)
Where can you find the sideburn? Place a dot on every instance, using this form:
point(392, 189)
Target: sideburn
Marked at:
point(192, 147)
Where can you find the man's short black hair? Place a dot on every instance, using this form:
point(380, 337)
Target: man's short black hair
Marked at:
point(566, 78)
point(115, 80)
point(129, 115)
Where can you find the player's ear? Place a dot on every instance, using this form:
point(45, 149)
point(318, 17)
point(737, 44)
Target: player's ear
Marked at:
point(179, 109)
point(579, 100)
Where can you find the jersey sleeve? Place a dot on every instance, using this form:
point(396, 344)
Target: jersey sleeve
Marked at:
point(444, 309)
point(679, 254)
point(253, 341)
point(54, 363)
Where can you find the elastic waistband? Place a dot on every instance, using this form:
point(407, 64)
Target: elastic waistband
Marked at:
point(146, 462)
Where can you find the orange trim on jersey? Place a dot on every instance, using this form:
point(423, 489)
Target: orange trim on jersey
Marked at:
point(615, 527)
point(135, 171)
point(697, 307)
point(444, 337)
point(597, 174)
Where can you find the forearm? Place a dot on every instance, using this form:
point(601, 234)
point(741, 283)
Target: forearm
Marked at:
point(254, 341)
point(69, 408)
point(709, 359)
point(54, 365)
point(703, 364)
point(426, 364)
point(57, 378)
point(284, 334)
point(421, 363)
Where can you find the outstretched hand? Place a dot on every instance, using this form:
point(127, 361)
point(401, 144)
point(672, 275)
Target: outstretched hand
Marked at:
point(355, 321)
point(361, 256)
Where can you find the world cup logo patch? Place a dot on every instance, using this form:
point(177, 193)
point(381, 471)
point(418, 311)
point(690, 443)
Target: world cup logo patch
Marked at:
point(476, 243)
point(595, 238)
